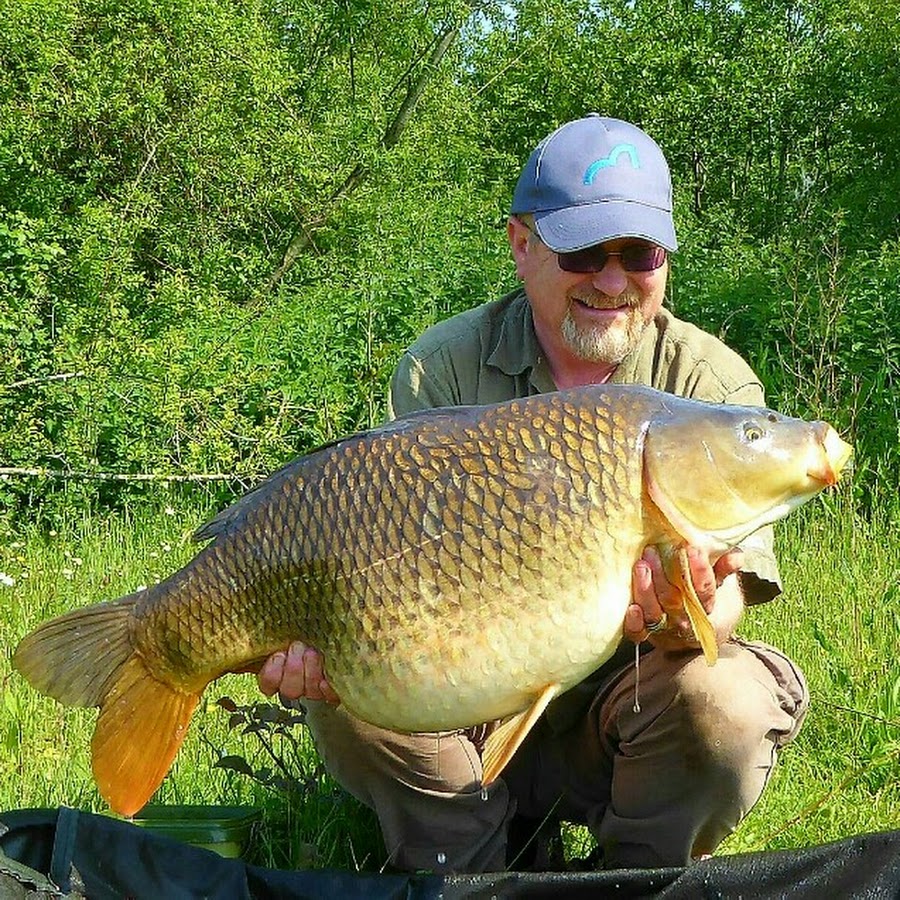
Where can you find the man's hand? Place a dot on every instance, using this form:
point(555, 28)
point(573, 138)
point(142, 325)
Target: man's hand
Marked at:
point(653, 595)
point(297, 674)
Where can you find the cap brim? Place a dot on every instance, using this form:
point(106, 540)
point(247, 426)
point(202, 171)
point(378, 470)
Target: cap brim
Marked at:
point(577, 227)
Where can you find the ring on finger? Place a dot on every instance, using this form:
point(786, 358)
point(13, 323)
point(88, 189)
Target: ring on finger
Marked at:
point(653, 627)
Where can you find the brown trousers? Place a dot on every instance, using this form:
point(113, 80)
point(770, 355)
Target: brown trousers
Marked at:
point(655, 787)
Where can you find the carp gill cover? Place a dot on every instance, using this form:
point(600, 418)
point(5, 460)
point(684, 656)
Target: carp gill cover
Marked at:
point(454, 567)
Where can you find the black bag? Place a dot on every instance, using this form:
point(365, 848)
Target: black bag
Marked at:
point(53, 853)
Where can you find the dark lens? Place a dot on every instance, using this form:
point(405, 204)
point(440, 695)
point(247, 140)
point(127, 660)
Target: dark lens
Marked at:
point(635, 258)
point(639, 258)
point(591, 259)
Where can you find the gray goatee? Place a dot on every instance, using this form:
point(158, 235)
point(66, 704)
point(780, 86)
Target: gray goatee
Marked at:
point(603, 344)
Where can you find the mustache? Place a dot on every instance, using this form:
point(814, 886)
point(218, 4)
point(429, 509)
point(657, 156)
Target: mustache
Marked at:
point(599, 300)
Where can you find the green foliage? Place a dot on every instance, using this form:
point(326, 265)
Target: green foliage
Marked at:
point(159, 160)
point(311, 821)
point(220, 223)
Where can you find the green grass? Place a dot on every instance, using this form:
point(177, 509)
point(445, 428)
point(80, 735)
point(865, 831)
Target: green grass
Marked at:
point(839, 619)
point(45, 748)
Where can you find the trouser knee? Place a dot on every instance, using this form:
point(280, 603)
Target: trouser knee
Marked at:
point(697, 756)
point(736, 713)
point(425, 789)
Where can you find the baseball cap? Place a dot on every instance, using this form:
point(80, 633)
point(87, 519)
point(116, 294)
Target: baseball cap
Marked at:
point(596, 179)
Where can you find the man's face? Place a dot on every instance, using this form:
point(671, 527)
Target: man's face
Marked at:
point(592, 318)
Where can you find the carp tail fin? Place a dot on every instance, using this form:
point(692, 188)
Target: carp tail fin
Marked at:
point(74, 657)
point(86, 658)
point(507, 738)
point(141, 726)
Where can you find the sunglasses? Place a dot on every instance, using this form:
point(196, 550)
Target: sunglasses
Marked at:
point(634, 257)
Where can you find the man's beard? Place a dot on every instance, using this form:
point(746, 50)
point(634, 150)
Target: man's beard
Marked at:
point(603, 344)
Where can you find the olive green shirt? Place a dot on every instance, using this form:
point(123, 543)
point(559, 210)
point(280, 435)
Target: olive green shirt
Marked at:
point(491, 354)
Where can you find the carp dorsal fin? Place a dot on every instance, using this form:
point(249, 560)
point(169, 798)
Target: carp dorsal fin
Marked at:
point(503, 743)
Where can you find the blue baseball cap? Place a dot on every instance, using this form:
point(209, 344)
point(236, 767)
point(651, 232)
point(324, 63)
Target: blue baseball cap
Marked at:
point(593, 180)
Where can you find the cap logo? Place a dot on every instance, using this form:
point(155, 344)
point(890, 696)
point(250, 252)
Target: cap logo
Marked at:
point(612, 160)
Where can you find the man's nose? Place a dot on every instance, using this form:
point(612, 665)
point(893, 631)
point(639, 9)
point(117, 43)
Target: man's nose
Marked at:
point(612, 279)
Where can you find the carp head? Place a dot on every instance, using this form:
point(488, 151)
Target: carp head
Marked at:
point(717, 473)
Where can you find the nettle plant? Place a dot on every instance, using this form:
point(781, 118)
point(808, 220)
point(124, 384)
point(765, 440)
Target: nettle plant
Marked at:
point(279, 752)
point(309, 820)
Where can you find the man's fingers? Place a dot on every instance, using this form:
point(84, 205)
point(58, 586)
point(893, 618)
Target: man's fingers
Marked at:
point(666, 597)
point(317, 686)
point(728, 563)
point(269, 676)
point(653, 594)
point(293, 677)
point(634, 626)
point(295, 674)
point(312, 672)
point(703, 578)
point(645, 608)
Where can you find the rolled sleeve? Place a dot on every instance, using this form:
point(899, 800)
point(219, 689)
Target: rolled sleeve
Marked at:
point(759, 577)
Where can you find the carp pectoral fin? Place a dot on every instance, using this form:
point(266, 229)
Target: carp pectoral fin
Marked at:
point(703, 629)
point(141, 725)
point(503, 743)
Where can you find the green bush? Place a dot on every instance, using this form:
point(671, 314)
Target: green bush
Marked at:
point(221, 223)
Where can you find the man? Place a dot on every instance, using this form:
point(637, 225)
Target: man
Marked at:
point(590, 229)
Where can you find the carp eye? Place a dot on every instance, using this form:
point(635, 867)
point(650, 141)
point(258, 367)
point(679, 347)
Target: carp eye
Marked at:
point(752, 432)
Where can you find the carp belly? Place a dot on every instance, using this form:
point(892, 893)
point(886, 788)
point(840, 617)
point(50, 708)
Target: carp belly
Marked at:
point(438, 680)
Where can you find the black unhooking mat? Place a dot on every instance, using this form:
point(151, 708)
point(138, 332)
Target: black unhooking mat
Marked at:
point(48, 853)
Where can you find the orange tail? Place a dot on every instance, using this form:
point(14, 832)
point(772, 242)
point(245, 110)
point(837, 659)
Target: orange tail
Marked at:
point(141, 726)
point(85, 658)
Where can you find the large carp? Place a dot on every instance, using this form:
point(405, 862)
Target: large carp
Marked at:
point(456, 566)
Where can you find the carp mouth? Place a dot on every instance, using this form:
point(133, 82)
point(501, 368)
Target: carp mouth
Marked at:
point(837, 453)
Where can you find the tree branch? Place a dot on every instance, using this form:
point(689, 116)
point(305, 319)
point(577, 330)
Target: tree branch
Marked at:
point(9, 471)
point(40, 379)
point(302, 238)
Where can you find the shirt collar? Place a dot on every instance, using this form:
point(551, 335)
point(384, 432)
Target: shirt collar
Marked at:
point(515, 344)
point(516, 349)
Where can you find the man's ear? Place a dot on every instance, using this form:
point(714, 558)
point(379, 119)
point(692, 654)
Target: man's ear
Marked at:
point(519, 237)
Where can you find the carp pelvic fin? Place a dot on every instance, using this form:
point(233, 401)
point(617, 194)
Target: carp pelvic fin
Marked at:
point(703, 629)
point(141, 726)
point(503, 743)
